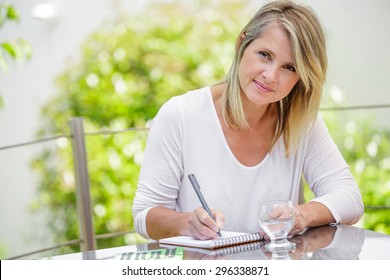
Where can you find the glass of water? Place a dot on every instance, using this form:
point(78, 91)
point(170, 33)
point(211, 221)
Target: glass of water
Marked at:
point(276, 218)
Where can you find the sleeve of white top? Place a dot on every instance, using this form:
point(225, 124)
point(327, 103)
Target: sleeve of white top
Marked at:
point(162, 166)
point(329, 176)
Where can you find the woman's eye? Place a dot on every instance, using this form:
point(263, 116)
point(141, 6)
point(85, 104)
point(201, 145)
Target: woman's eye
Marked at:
point(290, 68)
point(264, 54)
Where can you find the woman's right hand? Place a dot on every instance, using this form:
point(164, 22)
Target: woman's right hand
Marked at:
point(202, 226)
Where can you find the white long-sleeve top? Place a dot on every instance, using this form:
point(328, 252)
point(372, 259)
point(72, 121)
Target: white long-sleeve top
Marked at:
point(186, 137)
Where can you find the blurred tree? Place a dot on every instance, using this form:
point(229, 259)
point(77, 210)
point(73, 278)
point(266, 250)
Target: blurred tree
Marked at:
point(13, 50)
point(365, 148)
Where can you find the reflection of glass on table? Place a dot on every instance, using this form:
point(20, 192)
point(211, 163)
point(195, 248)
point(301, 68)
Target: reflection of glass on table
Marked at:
point(330, 242)
point(280, 255)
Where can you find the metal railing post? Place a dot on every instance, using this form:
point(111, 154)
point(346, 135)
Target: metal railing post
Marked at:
point(83, 196)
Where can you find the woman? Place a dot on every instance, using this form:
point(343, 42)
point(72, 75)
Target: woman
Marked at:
point(249, 139)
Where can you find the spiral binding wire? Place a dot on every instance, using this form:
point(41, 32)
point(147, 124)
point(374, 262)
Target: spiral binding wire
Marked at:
point(239, 248)
point(229, 241)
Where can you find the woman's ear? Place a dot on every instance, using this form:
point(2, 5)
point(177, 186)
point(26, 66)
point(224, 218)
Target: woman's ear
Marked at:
point(239, 40)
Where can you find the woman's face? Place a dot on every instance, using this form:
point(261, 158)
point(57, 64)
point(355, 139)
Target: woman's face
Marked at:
point(267, 72)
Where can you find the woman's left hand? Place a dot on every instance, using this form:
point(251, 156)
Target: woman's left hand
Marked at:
point(300, 223)
point(311, 214)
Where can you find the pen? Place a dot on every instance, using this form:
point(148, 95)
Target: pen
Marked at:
point(196, 186)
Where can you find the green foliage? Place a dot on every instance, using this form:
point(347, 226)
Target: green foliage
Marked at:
point(18, 50)
point(7, 12)
point(366, 150)
point(365, 147)
point(126, 71)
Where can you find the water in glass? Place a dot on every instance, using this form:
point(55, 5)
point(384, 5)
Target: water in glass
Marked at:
point(276, 218)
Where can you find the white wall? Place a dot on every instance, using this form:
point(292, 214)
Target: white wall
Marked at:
point(358, 48)
point(358, 37)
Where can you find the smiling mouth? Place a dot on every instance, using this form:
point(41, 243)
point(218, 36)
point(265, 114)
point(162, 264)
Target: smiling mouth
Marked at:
point(262, 87)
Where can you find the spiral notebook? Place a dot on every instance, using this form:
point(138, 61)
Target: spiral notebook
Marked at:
point(228, 238)
point(249, 249)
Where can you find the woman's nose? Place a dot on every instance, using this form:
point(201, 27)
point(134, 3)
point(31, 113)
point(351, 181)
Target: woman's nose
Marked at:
point(270, 73)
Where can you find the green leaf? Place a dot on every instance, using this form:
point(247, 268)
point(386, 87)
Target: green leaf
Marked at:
point(19, 50)
point(25, 48)
point(8, 12)
point(11, 49)
point(12, 13)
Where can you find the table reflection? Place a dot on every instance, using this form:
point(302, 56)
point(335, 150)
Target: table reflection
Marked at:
point(336, 242)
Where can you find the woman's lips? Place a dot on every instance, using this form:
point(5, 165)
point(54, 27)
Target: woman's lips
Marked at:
point(262, 87)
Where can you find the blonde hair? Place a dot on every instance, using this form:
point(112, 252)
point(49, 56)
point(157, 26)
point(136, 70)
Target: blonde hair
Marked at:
point(298, 110)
